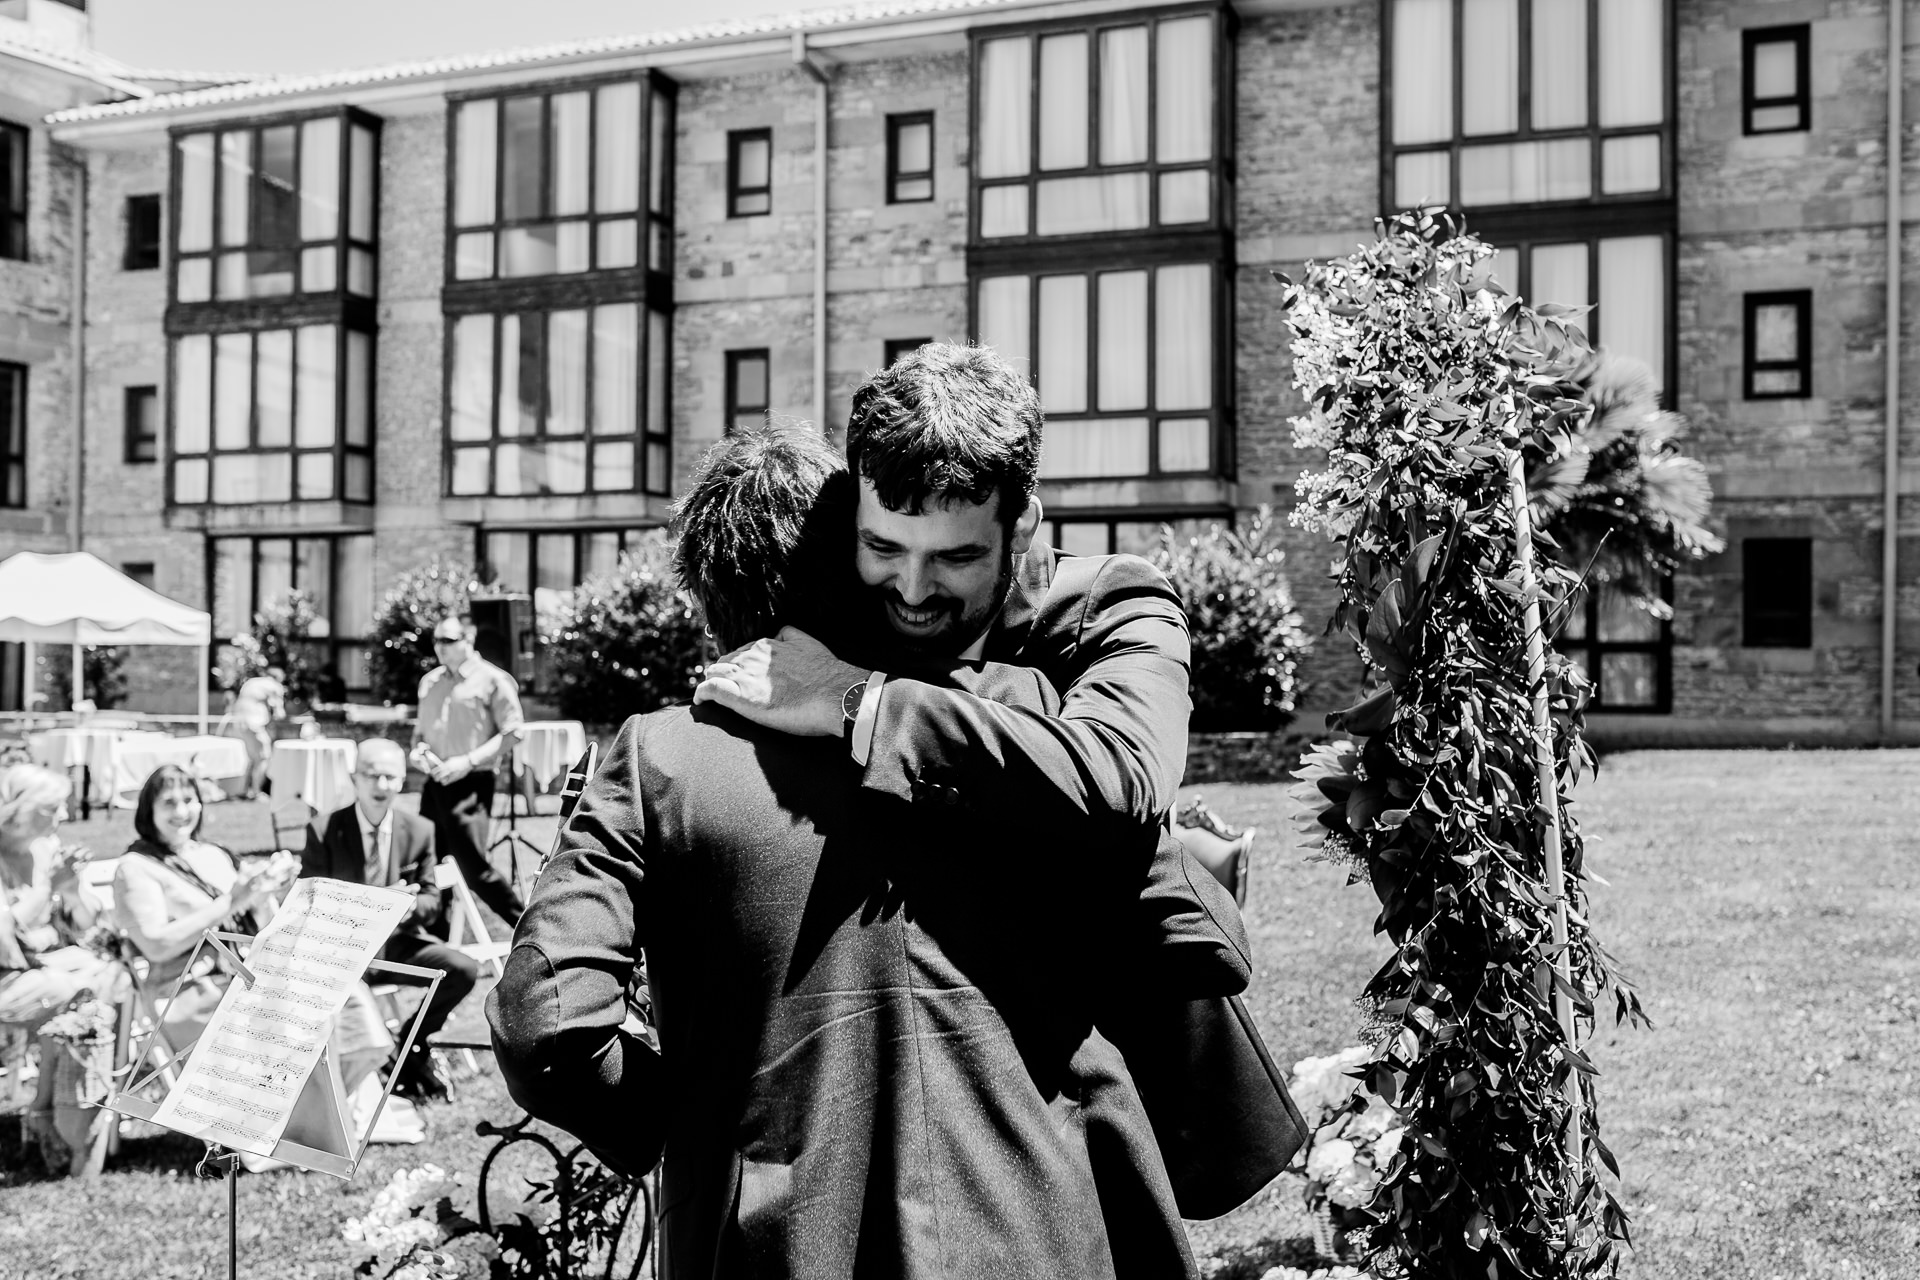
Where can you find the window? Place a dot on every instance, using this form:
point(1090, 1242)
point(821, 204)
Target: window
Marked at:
point(13, 191)
point(1622, 278)
point(748, 381)
point(1776, 593)
point(561, 183)
point(1779, 341)
point(1541, 101)
point(278, 415)
point(749, 173)
point(1097, 129)
point(547, 402)
point(143, 234)
point(13, 435)
point(548, 565)
point(1131, 534)
point(336, 573)
point(897, 347)
point(1774, 96)
point(1124, 360)
point(277, 210)
point(142, 424)
point(910, 158)
point(1625, 651)
point(141, 571)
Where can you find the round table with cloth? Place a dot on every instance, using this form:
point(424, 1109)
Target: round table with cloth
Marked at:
point(136, 756)
point(86, 747)
point(318, 770)
point(548, 747)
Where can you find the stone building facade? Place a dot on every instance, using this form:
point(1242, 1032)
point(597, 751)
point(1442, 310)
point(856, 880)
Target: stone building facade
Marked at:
point(1102, 189)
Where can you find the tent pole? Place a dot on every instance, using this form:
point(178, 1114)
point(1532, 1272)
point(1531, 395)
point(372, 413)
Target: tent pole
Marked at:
point(30, 682)
point(77, 677)
point(200, 686)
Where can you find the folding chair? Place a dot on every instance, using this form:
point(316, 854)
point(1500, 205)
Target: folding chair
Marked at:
point(290, 819)
point(465, 920)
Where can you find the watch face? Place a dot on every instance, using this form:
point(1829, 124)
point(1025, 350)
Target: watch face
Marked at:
point(850, 700)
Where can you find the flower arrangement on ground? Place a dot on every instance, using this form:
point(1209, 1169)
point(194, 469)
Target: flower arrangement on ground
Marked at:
point(1354, 1135)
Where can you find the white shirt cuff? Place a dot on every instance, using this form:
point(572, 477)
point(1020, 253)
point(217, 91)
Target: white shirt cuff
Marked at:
point(865, 718)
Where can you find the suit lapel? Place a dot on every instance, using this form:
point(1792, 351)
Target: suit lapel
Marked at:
point(349, 851)
point(1031, 582)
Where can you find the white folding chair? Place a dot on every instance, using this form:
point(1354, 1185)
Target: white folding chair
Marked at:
point(290, 819)
point(465, 919)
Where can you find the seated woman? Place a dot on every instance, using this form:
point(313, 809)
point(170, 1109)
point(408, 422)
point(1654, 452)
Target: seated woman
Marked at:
point(43, 912)
point(172, 887)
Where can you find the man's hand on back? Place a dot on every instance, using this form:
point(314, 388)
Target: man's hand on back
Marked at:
point(791, 683)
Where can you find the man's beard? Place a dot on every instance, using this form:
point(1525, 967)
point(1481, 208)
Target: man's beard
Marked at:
point(965, 626)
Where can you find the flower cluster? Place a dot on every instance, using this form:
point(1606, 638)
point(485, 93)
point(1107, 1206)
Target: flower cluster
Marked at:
point(396, 1226)
point(88, 1023)
point(1355, 1133)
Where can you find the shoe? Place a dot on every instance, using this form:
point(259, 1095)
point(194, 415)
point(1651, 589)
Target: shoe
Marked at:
point(418, 1079)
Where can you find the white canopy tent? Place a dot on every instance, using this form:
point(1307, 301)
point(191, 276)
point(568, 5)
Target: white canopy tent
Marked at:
point(78, 599)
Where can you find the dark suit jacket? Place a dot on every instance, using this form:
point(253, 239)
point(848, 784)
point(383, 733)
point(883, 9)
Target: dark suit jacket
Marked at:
point(335, 850)
point(877, 1044)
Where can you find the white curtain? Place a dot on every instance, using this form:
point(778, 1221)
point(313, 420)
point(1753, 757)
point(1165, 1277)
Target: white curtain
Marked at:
point(1105, 202)
point(616, 366)
point(1063, 344)
point(508, 398)
point(196, 192)
point(1521, 172)
point(353, 605)
point(1186, 444)
point(192, 392)
point(273, 389)
point(1776, 69)
point(659, 150)
point(1183, 337)
point(1005, 321)
point(613, 466)
point(359, 387)
point(1100, 447)
point(232, 389)
point(1490, 76)
point(232, 586)
point(360, 206)
point(1422, 178)
point(1633, 300)
point(658, 354)
point(567, 373)
point(1630, 164)
point(1063, 102)
point(236, 186)
point(476, 127)
point(616, 178)
point(1123, 95)
point(470, 468)
point(1123, 340)
point(1003, 210)
point(1560, 275)
point(1559, 64)
point(1006, 107)
point(1183, 83)
point(561, 466)
point(320, 178)
point(1422, 70)
point(1630, 62)
point(1185, 196)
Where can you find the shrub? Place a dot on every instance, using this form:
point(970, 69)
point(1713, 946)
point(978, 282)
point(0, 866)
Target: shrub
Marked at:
point(103, 670)
point(403, 625)
point(281, 637)
point(631, 642)
point(1247, 637)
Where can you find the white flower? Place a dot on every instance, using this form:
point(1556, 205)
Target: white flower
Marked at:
point(1386, 1147)
point(1330, 1159)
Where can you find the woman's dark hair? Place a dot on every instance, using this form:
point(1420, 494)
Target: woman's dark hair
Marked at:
point(166, 777)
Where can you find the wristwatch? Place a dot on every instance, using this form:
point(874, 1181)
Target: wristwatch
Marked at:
point(850, 709)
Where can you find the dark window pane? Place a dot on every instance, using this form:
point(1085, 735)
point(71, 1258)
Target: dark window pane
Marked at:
point(1777, 593)
point(1629, 680)
point(1776, 332)
point(13, 192)
point(277, 211)
point(143, 233)
point(522, 178)
point(143, 424)
point(140, 571)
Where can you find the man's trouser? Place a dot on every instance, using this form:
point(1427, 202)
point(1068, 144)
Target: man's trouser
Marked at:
point(462, 813)
point(461, 971)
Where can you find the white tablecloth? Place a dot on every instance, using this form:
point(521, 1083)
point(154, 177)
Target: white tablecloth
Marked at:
point(136, 756)
point(95, 748)
point(547, 748)
point(318, 770)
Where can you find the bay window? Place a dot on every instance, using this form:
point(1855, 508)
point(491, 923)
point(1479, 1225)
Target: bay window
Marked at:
point(264, 211)
point(272, 415)
point(567, 401)
point(249, 574)
point(1624, 279)
point(1125, 359)
point(1625, 651)
point(562, 182)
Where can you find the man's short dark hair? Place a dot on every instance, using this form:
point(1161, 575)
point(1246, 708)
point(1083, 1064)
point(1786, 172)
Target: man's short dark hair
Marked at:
point(765, 533)
point(947, 423)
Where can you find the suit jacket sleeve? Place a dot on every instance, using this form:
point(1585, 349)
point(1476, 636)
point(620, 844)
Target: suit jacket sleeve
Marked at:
point(557, 1012)
point(417, 869)
point(1117, 646)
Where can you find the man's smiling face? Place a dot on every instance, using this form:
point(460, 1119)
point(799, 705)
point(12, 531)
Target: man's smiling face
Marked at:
point(938, 577)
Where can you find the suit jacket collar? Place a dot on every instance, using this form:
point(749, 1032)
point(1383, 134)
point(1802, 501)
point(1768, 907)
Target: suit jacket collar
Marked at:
point(1031, 580)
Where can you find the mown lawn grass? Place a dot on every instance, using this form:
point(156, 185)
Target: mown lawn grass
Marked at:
point(1767, 903)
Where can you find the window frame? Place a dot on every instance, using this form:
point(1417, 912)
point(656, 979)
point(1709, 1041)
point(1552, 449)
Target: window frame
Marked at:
point(131, 398)
point(1802, 364)
point(731, 405)
point(142, 253)
point(736, 138)
point(1796, 631)
point(13, 458)
point(649, 222)
point(1112, 518)
point(645, 484)
point(895, 174)
point(1801, 36)
point(13, 212)
point(891, 349)
point(333, 641)
point(1596, 650)
point(1596, 199)
point(343, 242)
point(1218, 165)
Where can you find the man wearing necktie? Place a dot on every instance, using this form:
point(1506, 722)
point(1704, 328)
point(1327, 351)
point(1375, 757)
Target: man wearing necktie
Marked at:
point(373, 842)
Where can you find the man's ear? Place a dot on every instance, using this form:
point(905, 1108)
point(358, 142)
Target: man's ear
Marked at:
point(1025, 527)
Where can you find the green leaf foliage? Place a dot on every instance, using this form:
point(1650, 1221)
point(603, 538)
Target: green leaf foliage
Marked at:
point(1247, 637)
point(1422, 379)
point(630, 642)
point(403, 625)
point(281, 637)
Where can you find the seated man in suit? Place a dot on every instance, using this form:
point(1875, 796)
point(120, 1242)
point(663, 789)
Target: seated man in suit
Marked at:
point(877, 1054)
point(371, 841)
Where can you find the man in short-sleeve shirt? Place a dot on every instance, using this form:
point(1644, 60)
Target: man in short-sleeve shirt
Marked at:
point(469, 718)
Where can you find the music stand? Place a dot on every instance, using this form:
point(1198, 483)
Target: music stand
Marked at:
point(318, 1134)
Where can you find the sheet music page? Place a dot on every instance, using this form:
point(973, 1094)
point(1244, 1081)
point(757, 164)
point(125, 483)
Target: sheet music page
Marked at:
point(244, 1075)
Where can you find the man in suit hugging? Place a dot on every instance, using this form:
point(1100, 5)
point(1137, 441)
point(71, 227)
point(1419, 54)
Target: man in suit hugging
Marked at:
point(372, 842)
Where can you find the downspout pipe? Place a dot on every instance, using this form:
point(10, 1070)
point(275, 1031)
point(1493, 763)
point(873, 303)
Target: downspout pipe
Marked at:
point(804, 59)
point(1890, 543)
point(77, 343)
